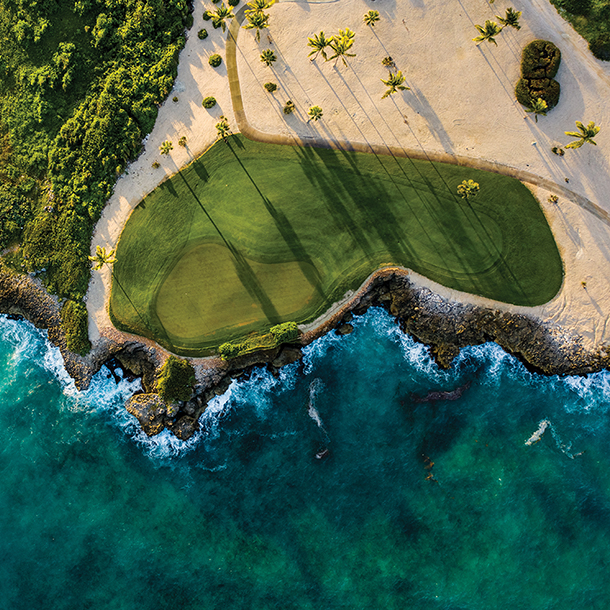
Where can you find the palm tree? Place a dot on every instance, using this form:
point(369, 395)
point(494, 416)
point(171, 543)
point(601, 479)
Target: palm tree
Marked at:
point(511, 18)
point(468, 188)
point(257, 20)
point(258, 6)
point(395, 83)
point(166, 147)
point(102, 258)
point(315, 112)
point(584, 134)
point(218, 18)
point(318, 44)
point(222, 128)
point(488, 32)
point(371, 18)
point(539, 106)
point(342, 44)
point(268, 57)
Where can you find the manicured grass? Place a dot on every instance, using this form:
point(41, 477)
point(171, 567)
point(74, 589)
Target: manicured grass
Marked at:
point(253, 234)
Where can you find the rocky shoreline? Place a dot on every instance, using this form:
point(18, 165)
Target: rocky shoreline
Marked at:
point(445, 326)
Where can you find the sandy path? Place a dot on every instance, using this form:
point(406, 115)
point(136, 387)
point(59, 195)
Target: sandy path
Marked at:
point(461, 108)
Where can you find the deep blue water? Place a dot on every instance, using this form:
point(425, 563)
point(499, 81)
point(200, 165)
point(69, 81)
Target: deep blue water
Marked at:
point(438, 505)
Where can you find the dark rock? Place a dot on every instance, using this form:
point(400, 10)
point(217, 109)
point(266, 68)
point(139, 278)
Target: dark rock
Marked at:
point(345, 329)
point(149, 410)
point(288, 355)
point(184, 427)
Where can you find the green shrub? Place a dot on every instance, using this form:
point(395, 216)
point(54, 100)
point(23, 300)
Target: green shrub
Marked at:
point(215, 60)
point(207, 15)
point(229, 350)
point(285, 333)
point(188, 21)
point(271, 87)
point(76, 101)
point(539, 64)
point(175, 380)
point(233, 2)
point(282, 333)
point(74, 322)
point(202, 34)
point(576, 7)
point(525, 93)
point(540, 59)
point(600, 47)
point(289, 107)
point(209, 102)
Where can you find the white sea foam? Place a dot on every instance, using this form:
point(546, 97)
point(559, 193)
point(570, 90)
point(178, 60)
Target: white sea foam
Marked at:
point(534, 438)
point(314, 388)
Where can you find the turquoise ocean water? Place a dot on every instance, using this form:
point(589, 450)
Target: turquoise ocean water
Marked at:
point(437, 505)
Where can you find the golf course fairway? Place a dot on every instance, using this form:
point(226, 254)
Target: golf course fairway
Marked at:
point(253, 234)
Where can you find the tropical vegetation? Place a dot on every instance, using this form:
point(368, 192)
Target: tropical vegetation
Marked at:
point(268, 57)
point(394, 83)
point(511, 18)
point(222, 128)
point(175, 380)
point(319, 43)
point(209, 102)
point(468, 189)
point(487, 32)
point(538, 107)
point(591, 19)
point(540, 61)
point(80, 87)
point(584, 134)
point(371, 18)
point(102, 258)
point(286, 332)
point(166, 147)
point(341, 44)
point(257, 21)
point(75, 324)
point(315, 113)
point(215, 60)
point(220, 16)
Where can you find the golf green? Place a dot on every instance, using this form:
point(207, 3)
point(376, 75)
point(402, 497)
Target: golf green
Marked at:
point(252, 234)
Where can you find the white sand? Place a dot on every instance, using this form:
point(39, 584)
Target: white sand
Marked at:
point(461, 102)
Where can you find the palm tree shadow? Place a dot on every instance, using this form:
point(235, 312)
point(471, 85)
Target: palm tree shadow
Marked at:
point(242, 267)
point(284, 226)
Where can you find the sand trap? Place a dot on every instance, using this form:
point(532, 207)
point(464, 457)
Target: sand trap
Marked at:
point(461, 102)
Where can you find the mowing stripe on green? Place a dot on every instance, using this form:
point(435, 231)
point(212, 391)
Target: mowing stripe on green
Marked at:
point(252, 234)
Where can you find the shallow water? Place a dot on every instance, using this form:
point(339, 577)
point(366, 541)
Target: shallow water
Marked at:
point(431, 505)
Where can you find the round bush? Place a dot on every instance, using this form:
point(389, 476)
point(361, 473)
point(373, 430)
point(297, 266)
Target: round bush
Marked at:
point(600, 47)
point(528, 90)
point(215, 60)
point(207, 15)
point(209, 102)
point(233, 2)
point(202, 34)
point(540, 59)
point(271, 87)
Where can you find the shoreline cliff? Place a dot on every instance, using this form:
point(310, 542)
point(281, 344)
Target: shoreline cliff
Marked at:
point(446, 326)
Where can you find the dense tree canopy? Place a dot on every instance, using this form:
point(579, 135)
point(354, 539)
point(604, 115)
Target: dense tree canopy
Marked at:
point(80, 84)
